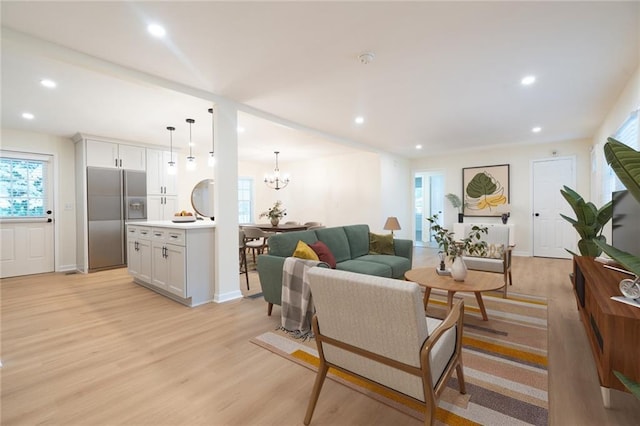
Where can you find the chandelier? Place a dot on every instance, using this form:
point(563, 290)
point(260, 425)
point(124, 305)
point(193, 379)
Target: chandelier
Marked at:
point(275, 181)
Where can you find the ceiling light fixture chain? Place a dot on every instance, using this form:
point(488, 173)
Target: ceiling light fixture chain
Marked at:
point(211, 160)
point(274, 181)
point(191, 160)
point(172, 164)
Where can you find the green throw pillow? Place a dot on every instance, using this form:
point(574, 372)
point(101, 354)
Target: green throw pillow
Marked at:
point(381, 244)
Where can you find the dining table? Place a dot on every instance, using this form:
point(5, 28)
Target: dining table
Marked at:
point(280, 227)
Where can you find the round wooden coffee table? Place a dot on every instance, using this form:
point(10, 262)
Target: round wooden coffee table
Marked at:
point(476, 282)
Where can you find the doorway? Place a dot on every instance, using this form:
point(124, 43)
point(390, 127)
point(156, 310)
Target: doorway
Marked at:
point(551, 233)
point(428, 198)
point(26, 210)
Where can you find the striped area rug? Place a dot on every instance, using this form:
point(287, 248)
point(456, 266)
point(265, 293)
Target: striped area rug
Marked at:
point(505, 363)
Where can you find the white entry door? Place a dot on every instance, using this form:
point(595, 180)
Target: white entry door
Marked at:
point(26, 214)
point(551, 233)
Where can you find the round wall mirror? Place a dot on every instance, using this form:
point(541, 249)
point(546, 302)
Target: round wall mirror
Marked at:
point(202, 198)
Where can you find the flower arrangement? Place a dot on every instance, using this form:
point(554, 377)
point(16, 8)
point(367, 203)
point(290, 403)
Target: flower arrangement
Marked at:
point(275, 212)
point(472, 244)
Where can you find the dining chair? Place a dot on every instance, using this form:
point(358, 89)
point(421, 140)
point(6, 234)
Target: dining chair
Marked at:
point(310, 228)
point(256, 240)
point(292, 222)
point(244, 268)
point(312, 223)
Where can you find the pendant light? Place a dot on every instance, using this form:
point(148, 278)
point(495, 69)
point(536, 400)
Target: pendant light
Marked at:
point(211, 159)
point(191, 160)
point(275, 181)
point(171, 169)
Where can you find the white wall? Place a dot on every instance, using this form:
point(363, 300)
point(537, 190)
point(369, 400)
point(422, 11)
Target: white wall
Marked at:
point(519, 158)
point(339, 190)
point(62, 150)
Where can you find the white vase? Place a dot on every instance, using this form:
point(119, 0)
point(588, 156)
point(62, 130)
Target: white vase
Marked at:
point(275, 221)
point(458, 269)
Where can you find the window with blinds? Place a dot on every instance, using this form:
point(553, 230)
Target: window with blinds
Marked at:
point(628, 134)
point(23, 188)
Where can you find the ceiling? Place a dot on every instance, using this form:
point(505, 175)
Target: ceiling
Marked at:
point(446, 75)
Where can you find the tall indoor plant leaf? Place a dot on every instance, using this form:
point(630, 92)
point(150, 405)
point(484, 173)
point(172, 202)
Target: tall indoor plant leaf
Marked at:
point(625, 162)
point(588, 223)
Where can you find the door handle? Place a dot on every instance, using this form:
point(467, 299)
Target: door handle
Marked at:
point(49, 220)
point(536, 214)
point(121, 162)
point(49, 212)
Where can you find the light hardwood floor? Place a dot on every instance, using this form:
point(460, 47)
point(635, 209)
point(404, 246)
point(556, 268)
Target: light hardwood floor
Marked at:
point(97, 349)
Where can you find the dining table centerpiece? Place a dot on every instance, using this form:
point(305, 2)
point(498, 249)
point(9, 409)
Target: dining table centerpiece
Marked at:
point(275, 213)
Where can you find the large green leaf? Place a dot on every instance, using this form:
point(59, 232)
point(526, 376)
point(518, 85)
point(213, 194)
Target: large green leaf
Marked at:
point(589, 248)
point(605, 213)
point(480, 185)
point(634, 387)
point(629, 261)
point(575, 201)
point(625, 162)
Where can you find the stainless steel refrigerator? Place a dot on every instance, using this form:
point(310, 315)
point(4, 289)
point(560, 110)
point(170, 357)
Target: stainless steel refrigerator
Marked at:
point(113, 197)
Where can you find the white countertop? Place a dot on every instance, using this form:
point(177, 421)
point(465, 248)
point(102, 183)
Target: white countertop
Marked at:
point(198, 224)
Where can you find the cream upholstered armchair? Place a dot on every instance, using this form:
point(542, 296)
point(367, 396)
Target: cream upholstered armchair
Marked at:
point(498, 256)
point(375, 328)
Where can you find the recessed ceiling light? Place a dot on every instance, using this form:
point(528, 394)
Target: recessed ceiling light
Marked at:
point(156, 30)
point(28, 116)
point(536, 129)
point(359, 120)
point(240, 129)
point(528, 80)
point(418, 146)
point(48, 83)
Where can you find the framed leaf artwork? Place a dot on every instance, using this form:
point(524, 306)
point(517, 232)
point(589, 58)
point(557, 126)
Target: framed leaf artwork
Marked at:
point(485, 190)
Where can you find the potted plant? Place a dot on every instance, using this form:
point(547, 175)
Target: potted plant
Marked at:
point(456, 202)
point(472, 245)
point(625, 162)
point(589, 222)
point(275, 213)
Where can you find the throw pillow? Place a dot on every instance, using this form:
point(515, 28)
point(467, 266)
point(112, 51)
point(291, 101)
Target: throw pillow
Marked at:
point(324, 254)
point(495, 251)
point(381, 244)
point(303, 251)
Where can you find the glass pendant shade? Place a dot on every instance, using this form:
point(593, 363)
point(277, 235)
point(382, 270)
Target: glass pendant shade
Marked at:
point(191, 160)
point(171, 165)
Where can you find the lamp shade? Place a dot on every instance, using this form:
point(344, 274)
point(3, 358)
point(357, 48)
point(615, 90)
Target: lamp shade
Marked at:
point(392, 224)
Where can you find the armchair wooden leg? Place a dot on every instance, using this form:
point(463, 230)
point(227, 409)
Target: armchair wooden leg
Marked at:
point(269, 308)
point(322, 373)
point(460, 376)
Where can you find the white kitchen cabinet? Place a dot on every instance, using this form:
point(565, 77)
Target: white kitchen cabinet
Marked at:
point(116, 156)
point(139, 252)
point(181, 266)
point(159, 182)
point(161, 207)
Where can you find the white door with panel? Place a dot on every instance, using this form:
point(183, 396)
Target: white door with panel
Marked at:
point(159, 182)
point(26, 214)
point(551, 233)
point(161, 207)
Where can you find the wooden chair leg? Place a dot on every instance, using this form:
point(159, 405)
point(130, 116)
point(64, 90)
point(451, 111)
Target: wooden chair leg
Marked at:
point(269, 308)
point(322, 373)
point(460, 376)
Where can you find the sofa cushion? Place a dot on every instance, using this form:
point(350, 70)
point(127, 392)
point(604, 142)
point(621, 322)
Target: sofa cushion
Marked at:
point(399, 265)
point(285, 243)
point(303, 251)
point(381, 244)
point(358, 236)
point(363, 267)
point(336, 240)
point(324, 254)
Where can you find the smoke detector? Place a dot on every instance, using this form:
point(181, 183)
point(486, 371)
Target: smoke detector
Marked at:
point(366, 57)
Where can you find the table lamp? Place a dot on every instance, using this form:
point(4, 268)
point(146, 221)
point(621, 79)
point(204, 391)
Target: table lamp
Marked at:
point(392, 224)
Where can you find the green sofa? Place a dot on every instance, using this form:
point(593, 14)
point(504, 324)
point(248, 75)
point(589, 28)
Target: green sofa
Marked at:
point(349, 245)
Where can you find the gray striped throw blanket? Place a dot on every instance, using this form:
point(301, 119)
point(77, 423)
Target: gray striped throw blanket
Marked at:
point(297, 304)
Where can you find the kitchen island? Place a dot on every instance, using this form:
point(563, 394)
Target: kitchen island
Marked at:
point(175, 259)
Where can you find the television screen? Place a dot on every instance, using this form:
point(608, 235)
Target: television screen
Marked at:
point(626, 223)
